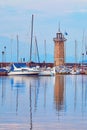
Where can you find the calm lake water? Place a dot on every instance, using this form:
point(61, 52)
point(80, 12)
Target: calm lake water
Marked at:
point(43, 103)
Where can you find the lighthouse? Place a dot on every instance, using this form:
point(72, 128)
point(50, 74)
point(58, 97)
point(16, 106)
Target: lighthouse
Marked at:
point(59, 49)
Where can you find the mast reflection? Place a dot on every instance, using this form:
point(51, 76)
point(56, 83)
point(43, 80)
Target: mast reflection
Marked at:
point(30, 106)
point(75, 93)
point(16, 84)
point(3, 91)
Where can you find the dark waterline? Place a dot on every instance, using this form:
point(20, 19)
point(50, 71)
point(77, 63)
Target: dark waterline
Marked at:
point(43, 103)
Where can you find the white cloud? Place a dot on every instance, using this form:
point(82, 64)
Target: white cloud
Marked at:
point(17, 13)
point(77, 11)
point(16, 17)
point(47, 6)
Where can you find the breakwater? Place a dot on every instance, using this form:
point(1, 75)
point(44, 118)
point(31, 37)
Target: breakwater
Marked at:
point(4, 64)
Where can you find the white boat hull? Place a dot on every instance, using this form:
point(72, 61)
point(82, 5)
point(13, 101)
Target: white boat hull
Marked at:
point(45, 73)
point(22, 73)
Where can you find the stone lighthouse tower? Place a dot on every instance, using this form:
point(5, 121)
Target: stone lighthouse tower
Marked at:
point(59, 51)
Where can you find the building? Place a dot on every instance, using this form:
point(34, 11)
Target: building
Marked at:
point(59, 49)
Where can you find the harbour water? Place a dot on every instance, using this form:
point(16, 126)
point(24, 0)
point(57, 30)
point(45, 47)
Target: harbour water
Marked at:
point(43, 103)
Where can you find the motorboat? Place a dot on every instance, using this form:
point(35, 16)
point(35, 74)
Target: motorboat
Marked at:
point(75, 71)
point(47, 71)
point(22, 69)
point(62, 70)
point(3, 72)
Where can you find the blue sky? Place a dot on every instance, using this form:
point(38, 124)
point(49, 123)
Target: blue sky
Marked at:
point(15, 18)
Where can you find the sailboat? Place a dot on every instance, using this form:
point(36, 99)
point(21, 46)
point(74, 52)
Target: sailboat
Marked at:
point(75, 70)
point(46, 71)
point(22, 69)
point(3, 72)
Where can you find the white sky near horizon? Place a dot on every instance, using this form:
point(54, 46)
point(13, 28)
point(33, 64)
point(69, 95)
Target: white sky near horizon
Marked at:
point(15, 18)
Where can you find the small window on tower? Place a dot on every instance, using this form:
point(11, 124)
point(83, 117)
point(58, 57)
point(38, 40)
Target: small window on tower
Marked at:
point(60, 36)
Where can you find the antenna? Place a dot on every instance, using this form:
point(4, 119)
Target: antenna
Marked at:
point(59, 27)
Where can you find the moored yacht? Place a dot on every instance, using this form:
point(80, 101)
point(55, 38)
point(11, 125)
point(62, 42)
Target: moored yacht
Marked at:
point(22, 69)
point(3, 72)
point(47, 71)
point(74, 72)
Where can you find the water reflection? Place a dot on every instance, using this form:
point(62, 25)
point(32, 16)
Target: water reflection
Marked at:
point(18, 81)
point(16, 84)
point(36, 94)
point(70, 95)
point(84, 94)
point(59, 92)
point(78, 92)
point(30, 107)
point(75, 93)
point(3, 84)
point(31, 103)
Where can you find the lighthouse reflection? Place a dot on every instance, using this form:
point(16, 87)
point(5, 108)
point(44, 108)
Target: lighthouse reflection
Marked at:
point(59, 92)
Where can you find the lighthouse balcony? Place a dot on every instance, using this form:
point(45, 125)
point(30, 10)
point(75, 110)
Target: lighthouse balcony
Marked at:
point(59, 39)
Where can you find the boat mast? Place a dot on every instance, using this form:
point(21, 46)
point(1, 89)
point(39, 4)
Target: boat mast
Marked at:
point(75, 51)
point(85, 48)
point(17, 49)
point(31, 37)
point(82, 51)
point(45, 49)
point(37, 50)
point(11, 48)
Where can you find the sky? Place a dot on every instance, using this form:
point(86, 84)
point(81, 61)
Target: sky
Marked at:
point(15, 19)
